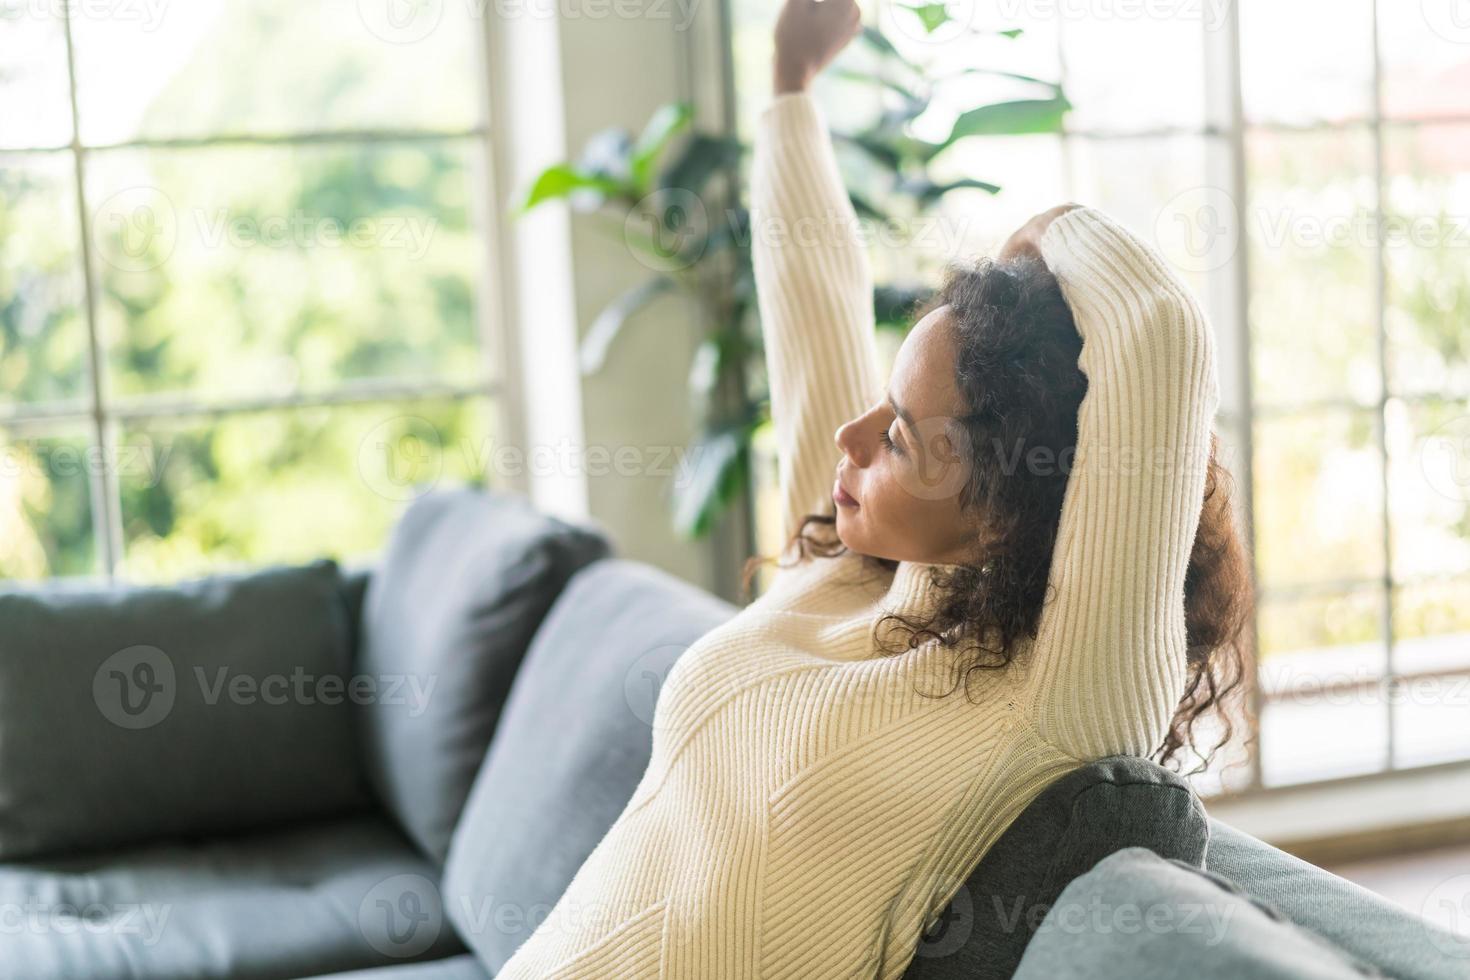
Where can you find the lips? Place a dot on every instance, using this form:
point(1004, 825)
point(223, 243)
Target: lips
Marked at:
point(841, 496)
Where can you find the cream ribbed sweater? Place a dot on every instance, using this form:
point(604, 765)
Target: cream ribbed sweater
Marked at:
point(807, 810)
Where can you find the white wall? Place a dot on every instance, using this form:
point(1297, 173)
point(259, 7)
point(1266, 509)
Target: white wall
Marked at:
point(553, 82)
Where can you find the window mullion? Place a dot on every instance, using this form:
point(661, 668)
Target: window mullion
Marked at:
point(106, 503)
point(1380, 289)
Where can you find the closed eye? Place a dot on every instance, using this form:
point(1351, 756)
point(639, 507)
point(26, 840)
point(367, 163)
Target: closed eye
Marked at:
point(889, 444)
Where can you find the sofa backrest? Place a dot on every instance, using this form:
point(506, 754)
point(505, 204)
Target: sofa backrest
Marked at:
point(463, 585)
point(574, 739)
point(130, 714)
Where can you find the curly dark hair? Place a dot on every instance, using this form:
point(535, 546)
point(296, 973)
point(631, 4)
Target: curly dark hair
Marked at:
point(1017, 370)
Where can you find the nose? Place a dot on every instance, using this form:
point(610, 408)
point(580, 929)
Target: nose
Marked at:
point(849, 440)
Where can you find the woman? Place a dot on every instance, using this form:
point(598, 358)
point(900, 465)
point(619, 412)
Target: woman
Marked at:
point(830, 765)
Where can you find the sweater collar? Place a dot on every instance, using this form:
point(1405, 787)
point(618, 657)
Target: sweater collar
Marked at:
point(911, 593)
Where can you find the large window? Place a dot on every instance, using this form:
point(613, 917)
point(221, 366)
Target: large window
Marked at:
point(242, 315)
point(1307, 166)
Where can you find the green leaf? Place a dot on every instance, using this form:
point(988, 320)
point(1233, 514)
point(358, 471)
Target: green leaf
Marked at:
point(864, 209)
point(609, 323)
point(666, 122)
point(561, 180)
point(926, 191)
point(932, 15)
point(1007, 119)
point(895, 305)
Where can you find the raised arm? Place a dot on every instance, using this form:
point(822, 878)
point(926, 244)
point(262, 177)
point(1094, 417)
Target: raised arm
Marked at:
point(1109, 662)
point(814, 284)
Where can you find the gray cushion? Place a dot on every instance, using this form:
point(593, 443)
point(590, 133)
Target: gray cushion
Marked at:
point(464, 967)
point(1351, 917)
point(1139, 916)
point(574, 741)
point(1076, 821)
point(130, 714)
point(466, 580)
point(323, 896)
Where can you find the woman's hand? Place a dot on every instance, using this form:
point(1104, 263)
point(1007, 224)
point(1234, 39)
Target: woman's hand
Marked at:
point(809, 33)
point(1026, 240)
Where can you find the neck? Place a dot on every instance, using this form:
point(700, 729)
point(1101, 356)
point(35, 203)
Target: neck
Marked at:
point(912, 592)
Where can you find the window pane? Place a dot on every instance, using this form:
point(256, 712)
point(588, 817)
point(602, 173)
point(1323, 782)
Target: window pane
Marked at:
point(1322, 660)
point(1031, 175)
point(1307, 60)
point(1324, 734)
point(45, 504)
point(1429, 489)
point(1431, 625)
point(35, 110)
point(43, 337)
point(1427, 240)
point(231, 271)
point(1313, 308)
point(1103, 53)
point(1432, 630)
point(1161, 189)
point(291, 486)
point(1425, 49)
point(1432, 719)
point(1318, 498)
point(208, 67)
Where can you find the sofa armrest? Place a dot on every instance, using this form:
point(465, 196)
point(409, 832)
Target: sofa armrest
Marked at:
point(1077, 821)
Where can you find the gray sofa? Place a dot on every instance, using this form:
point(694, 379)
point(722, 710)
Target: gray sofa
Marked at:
point(392, 773)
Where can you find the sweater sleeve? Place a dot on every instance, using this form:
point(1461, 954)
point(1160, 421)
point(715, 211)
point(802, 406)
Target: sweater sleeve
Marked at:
point(814, 290)
point(1109, 661)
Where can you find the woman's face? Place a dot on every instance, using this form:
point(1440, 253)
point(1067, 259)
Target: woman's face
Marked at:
point(905, 459)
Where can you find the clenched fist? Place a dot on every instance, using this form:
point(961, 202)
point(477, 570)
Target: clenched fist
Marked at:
point(809, 34)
